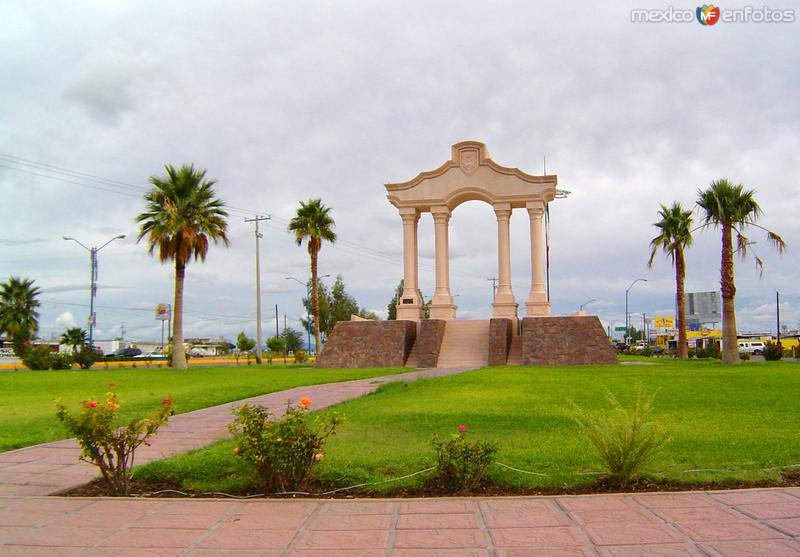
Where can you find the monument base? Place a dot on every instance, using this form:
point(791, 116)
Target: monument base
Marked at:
point(507, 310)
point(443, 311)
point(537, 309)
point(410, 312)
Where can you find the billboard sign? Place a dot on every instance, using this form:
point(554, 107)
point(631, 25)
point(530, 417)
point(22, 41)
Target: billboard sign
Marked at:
point(664, 321)
point(163, 312)
point(703, 307)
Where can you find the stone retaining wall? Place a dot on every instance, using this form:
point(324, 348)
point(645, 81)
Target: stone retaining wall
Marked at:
point(368, 344)
point(428, 343)
point(572, 340)
point(500, 335)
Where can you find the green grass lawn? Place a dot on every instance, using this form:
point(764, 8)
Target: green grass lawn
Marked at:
point(27, 412)
point(739, 419)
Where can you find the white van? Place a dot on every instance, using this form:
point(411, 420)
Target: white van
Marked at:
point(754, 347)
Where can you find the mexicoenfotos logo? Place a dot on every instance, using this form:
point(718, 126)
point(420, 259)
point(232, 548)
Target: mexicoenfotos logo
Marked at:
point(707, 14)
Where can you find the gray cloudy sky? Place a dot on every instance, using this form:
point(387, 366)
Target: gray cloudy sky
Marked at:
point(283, 101)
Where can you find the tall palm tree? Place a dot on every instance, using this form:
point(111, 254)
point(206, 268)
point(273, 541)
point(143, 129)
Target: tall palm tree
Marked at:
point(314, 223)
point(674, 236)
point(18, 315)
point(74, 337)
point(182, 215)
point(731, 208)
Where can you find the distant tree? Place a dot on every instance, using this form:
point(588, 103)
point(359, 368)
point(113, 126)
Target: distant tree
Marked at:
point(293, 339)
point(732, 208)
point(392, 307)
point(74, 337)
point(182, 215)
point(276, 344)
point(341, 306)
point(244, 343)
point(313, 223)
point(19, 317)
point(674, 236)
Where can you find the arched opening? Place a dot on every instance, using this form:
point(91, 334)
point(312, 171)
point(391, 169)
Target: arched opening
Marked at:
point(473, 258)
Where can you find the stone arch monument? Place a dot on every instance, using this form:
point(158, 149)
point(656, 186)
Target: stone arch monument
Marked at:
point(442, 340)
point(469, 175)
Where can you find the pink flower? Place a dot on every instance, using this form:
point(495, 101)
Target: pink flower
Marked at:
point(462, 427)
point(93, 404)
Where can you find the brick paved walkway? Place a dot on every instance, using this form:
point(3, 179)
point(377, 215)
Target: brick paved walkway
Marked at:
point(734, 523)
point(53, 468)
point(725, 523)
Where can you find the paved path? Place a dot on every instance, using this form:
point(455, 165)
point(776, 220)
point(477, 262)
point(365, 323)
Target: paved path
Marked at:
point(725, 523)
point(53, 468)
point(734, 523)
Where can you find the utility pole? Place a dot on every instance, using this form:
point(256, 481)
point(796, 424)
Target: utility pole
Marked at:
point(277, 322)
point(259, 340)
point(493, 280)
point(778, 315)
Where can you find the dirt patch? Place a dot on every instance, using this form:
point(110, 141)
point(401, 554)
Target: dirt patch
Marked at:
point(790, 478)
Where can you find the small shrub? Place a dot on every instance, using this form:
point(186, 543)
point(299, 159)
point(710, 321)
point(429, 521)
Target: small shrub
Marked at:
point(37, 357)
point(692, 352)
point(107, 446)
point(300, 356)
point(86, 357)
point(773, 351)
point(646, 351)
point(744, 356)
point(626, 439)
point(283, 451)
point(711, 352)
point(60, 361)
point(460, 464)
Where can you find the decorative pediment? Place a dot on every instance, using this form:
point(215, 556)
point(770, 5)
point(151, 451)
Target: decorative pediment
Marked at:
point(471, 174)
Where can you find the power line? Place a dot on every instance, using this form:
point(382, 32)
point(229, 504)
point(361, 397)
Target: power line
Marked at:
point(69, 176)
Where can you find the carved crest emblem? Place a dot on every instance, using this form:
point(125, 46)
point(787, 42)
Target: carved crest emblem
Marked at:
point(469, 160)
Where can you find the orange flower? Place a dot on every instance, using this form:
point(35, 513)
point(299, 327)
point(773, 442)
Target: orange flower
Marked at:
point(235, 451)
point(318, 456)
point(305, 402)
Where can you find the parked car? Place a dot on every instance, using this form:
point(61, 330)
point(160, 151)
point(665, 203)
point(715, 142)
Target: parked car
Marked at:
point(127, 352)
point(150, 356)
point(754, 347)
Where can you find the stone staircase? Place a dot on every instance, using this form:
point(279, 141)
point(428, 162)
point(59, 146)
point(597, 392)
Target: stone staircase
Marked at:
point(465, 343)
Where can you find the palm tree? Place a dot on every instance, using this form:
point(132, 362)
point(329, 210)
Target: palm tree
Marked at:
point(314, 223)
point(73, 337)
point(675, 235)
point(182, 215)
point(732, 208)
point(18, 315)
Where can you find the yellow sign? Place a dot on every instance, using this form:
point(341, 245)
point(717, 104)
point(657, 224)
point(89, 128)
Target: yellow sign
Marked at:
point(664, 321)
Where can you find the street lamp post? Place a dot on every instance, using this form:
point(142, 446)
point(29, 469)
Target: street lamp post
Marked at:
point(93, 287)
point(308, 309)
point(586, 303)
point(627, 318)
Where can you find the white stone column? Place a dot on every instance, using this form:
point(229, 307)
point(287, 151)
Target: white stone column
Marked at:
point(537, 304)
point(442, 306)
point(410, 306)
point(504, 304)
